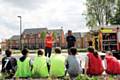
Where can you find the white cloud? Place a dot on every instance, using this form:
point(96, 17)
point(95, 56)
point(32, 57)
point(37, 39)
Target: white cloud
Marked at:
point(24, 4)
point(6, 32)
point(41, 13)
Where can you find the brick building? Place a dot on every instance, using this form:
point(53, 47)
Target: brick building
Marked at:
point(34, 39)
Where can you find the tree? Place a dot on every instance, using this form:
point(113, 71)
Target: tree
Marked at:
point(116, 18)
point(99, 12)
point(54, 35)
point(43, 35)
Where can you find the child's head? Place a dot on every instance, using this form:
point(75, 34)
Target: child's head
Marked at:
point(91, 49)
point(95, 53)
point(109, 53)
point(8, 52)
point(40, 52)
point(25, 52)
point(73, 51)
point(58, 50)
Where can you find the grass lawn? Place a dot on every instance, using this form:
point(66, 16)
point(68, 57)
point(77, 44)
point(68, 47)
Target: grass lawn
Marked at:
point(80, 77)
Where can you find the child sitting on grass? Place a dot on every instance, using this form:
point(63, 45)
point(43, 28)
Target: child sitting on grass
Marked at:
point(73, 64)
point(8, 64)
point(93, 63)
point(40, 66)
point(24, 65)
point(112, 65)
point(57, 64)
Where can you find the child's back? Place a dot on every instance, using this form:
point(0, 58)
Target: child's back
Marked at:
point(40, 66)
point(73, 63)
point(57, 64)
point(112, 64)
point(9, 64)
point(93, 63)
point(24, 66)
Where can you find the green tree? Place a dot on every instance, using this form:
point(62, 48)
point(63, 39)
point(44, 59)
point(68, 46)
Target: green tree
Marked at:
point(99, 12)
point(43, 35)
point(116, 18)
point(54, 35)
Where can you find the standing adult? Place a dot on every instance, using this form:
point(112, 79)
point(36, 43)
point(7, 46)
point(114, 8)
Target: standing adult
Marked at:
point(48, 44)
point(0, 51)
point(90, 43)
point(71, 40)
point(0, 54)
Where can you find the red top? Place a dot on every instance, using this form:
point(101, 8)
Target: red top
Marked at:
point(48, 41)
point(95, 66)
point(113, 65)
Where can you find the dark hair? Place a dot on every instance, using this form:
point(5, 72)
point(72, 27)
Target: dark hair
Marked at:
point(91, 49)
point(69, 31)
point(95, 53)
point(25, 51)
point(73, 51)
point(0, 49)
point(109, 53)
point(40, 52)
point(58, 50)
point(8, 52)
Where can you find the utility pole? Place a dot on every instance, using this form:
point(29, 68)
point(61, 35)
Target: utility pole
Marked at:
point(20, 31)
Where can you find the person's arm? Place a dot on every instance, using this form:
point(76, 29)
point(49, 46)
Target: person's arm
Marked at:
point(82, 69)
point(74, 41)
point(66, 63)
point(15, 64)
point(67, 39)
point(104, 64)
point(2, 64)
point(86, 64)
point(31, 64)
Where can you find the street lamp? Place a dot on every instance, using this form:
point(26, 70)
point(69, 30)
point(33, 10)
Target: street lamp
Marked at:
point(20, 31)
point(61, 36)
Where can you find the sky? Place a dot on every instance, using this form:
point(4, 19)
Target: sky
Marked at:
point(51, 14)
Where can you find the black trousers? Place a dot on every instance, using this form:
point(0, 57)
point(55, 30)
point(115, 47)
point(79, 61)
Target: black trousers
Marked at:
point(48, 51)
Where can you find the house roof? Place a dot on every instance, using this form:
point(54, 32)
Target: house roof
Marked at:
point(77, 34)
point(57, 31)
point(34, 30)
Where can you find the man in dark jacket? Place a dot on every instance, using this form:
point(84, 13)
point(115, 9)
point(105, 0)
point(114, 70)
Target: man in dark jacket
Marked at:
point(71, 40)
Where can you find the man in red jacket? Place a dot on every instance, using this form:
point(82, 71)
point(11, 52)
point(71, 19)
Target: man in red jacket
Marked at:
point(48, 44)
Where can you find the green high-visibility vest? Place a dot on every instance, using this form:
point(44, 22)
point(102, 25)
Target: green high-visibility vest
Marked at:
point(40, 67)
point(57, 68)
point(23, 68)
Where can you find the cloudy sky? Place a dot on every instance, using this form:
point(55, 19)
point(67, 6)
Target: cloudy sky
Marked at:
point(41, 13)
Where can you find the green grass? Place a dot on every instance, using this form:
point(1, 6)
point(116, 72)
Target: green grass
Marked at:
point(80, 77)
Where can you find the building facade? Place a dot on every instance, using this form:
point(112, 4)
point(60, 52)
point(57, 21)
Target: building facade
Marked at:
point(34, 39)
